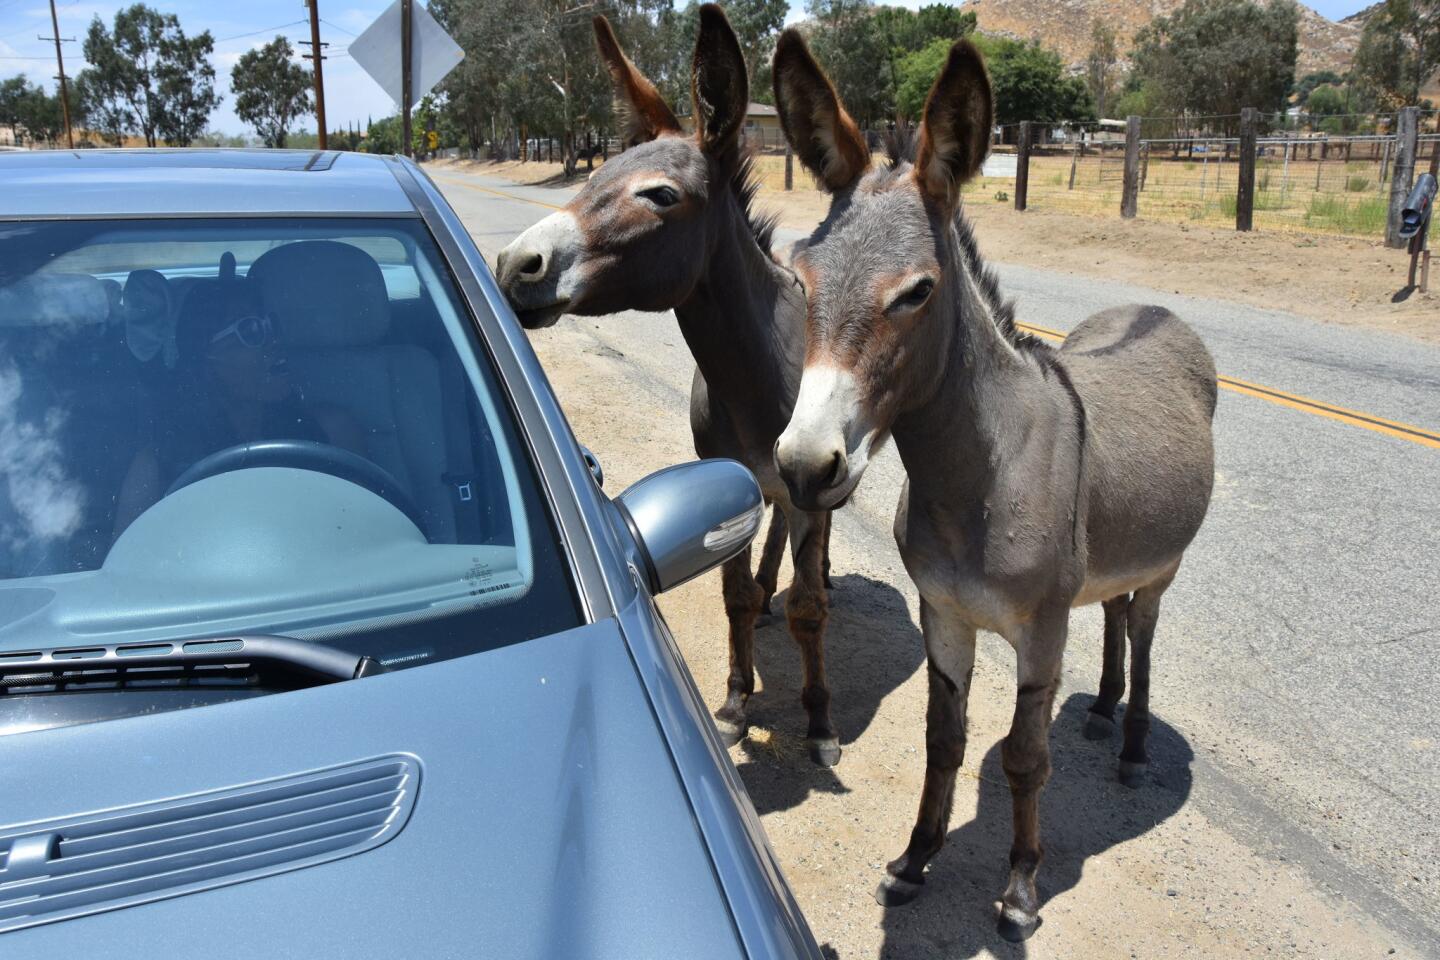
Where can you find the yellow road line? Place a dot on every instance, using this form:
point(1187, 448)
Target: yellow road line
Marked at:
point(498, 193)
point(1355, 418)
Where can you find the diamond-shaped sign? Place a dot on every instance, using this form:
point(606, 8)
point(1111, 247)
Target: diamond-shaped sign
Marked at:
point(433, 53)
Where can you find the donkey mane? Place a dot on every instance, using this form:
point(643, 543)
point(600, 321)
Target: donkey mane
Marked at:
point(745, 183)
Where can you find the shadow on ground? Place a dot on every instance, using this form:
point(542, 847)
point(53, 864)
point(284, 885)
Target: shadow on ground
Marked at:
point(871, 647)
point(1084, 812)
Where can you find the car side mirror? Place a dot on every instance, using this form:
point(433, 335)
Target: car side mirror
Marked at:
point(691, 518)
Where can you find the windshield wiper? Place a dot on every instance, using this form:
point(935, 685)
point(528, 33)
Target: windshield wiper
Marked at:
point(247, 660)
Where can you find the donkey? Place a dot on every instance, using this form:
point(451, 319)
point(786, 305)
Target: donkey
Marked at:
point(1038, 480)
point(668, 225)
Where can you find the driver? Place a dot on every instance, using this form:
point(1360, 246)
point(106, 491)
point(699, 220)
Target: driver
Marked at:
point(232, 387)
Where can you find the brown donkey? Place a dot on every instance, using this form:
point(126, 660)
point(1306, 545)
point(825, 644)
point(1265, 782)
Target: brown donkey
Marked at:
point(1039, 480)
point(667, 225)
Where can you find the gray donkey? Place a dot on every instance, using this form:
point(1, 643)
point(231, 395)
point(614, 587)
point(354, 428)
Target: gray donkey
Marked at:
point(1039, 480)
point(668, 225)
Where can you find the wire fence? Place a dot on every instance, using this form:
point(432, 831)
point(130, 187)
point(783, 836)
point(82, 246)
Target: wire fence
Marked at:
point(1304, 182)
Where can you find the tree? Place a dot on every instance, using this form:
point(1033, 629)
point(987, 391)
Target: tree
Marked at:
point(13, 91)
point(29, 108)
point(1213, 57)
point(916, 73)
point(1325, 101)
point(848, 40)
point(757, 23)
point(1100, 65)
point(187, 86)
point(271, 90)
point(1310, 81)
point(1399, 51)
point(147, 77)
point(1031, 83)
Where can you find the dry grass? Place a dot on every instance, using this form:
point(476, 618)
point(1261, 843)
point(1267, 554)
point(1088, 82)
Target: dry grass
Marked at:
point(1338, 198)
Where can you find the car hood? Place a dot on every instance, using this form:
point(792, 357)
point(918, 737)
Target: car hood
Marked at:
point(547, 818)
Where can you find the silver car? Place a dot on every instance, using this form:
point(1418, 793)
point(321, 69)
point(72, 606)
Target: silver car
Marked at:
point(318, 637)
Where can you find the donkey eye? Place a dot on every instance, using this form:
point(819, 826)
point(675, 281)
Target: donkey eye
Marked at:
point(662, 197)
point(915, 296)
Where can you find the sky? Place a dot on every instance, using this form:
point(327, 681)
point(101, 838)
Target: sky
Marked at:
point(350, 95)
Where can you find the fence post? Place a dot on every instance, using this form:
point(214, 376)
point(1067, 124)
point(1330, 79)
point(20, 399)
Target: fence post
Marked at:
point(1074, 156)
point(789, 167)
point(1130, 184)
point(1022, 165)
point(1407, 135)
point(1245, 189)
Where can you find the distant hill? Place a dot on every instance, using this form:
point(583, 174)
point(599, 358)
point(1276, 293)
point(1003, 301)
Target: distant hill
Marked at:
point(1064, 26)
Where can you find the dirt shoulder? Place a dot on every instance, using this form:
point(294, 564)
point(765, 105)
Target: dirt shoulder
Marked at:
point(1331, 279)
point(1127, 873)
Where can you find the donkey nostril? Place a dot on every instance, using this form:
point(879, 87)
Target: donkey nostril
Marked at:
point(532, 267)
point(833, 475)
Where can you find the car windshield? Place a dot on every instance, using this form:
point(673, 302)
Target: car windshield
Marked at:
point(275, 426)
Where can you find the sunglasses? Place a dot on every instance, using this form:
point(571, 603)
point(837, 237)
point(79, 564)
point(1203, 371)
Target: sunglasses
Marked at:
point(252, 331)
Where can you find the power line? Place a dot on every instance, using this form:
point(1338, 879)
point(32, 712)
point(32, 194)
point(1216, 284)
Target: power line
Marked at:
point(338, 27)
point(256, 33)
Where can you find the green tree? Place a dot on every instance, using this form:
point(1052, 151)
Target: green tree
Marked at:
point(13, 91)
point(271, 90)
point(1325, 100)
point(1213, 57)
point(1310, 81)
point(30, 111)
point(147, 77)
point(1031, 83)
point(916, 73)
point(848, 40)
point(1100, 65)
point(1399, 51)
point(383, 136)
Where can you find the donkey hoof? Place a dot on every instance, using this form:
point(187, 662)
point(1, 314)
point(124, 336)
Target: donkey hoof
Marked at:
point(894, 892)
point(1016, 925)
point(825, 752)
point(730, 732)
point(1132, 774)
point(1098, 726)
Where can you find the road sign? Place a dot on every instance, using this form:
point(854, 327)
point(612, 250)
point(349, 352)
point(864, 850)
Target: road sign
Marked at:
point(433, 53)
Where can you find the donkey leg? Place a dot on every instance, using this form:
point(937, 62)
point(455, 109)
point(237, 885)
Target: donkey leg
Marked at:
point(1100, 721)
point(1142, 616)
point(825, 563)
point(1025, 755)
point(807, 609)
point(768, 575)
point(742, 606)
point(950, 655)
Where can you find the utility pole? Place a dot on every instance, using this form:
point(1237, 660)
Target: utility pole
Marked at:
point(406, 24)
point(60, 63)
point(316, 56)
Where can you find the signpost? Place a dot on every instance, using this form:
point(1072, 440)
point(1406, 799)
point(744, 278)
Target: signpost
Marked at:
point(407, 53)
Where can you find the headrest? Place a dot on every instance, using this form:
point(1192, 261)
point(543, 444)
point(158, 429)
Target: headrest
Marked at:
point(54, 300)
point(149, 316)
point(322, 293)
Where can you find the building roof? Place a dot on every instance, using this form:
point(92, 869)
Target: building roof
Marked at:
point(760, 110)
point(119, 183)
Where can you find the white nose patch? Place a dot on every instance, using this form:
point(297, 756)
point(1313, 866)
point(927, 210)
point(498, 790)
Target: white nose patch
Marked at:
point(829, 401)
point(558, 239)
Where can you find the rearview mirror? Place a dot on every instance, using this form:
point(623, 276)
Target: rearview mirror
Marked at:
point(691, 518)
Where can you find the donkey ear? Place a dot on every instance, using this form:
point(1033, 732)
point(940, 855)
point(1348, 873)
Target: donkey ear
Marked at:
point(642, 113)
point(719, 82)
point(955, 134)
point(816, 124)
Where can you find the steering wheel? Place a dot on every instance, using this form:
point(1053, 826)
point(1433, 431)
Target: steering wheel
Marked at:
point(304, 455)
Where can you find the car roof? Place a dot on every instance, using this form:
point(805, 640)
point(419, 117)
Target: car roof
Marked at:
point(160, 182)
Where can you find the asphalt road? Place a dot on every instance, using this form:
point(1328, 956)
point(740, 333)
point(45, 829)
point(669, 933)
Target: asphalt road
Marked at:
point(1299, 650)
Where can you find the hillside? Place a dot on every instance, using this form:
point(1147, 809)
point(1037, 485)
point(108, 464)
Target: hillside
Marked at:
point(1064, 25)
